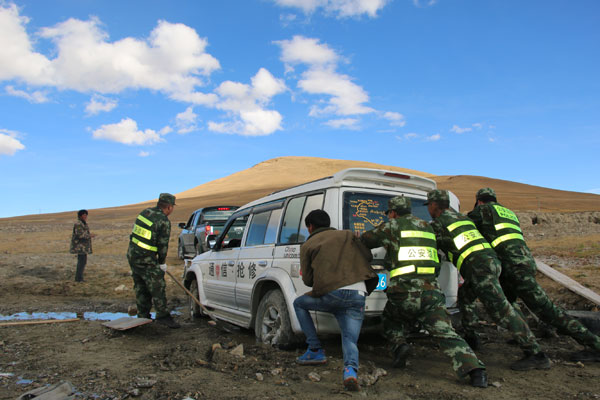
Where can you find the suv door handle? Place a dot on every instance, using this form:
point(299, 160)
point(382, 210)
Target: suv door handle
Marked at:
point(262, 263)
point(231, 263)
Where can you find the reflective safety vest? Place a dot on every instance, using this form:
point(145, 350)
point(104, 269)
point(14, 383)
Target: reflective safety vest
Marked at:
point(506, 226)
point(466, 239)
point(417, 252)
point(142, 234)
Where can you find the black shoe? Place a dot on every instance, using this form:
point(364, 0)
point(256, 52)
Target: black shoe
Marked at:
point(473, 341)
point(478, 378)
point(532, 361)
point(585, 355)
point(400, 356)
point(168, 321)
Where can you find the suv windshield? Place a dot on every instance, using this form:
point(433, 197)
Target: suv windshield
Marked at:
point(364, 211)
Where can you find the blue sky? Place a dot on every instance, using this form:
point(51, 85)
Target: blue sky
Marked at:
point(106, 103)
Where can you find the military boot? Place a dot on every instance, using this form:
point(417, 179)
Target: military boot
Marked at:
point(585, 355)
point(532, 361)
point(168, 321)
point(400, 356)
point(479, 378)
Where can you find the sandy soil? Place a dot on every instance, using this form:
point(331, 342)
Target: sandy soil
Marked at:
point(154, 362)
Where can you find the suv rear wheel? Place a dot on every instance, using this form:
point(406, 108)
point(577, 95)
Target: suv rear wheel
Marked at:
point(272, 325)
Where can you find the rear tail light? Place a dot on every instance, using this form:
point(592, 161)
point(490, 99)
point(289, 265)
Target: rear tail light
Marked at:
point(393, 175)
point(209, 230)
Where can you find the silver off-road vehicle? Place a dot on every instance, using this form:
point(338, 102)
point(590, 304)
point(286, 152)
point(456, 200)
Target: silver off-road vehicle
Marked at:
point(252, 281)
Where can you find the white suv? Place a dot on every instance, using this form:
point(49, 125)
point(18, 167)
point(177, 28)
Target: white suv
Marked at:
point(253, 281)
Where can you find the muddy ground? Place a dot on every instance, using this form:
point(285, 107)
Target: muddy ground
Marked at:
point(196, 361)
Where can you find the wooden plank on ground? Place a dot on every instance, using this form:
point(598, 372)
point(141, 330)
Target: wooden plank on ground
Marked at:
point(569, 283)
point(43, 321)
point(125, 323)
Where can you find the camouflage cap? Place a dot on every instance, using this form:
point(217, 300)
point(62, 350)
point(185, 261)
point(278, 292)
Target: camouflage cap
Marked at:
point(438, 196)
point(399, 203)
point(485, 192)
point(167, 198)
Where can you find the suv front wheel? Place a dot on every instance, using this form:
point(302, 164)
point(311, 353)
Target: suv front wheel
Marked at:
point(272, 325)
point(194, 309)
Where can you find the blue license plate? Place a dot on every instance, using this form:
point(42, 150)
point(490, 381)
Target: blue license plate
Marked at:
point(382, 284)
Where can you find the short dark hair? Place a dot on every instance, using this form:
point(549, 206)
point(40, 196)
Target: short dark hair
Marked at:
point(81, 212)
point(486, 198)
point(318, 219)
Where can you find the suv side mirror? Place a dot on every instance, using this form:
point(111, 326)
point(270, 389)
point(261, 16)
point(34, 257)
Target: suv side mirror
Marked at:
point(182, 225)
point(211, 240)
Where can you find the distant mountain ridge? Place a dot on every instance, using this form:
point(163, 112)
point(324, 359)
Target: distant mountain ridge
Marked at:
point(283, 172)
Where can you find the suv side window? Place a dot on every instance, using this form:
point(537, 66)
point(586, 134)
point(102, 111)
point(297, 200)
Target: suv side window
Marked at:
point(271, 234)
point(314, 202)
point(293, 229)
point(258, 228)
point(233, 236)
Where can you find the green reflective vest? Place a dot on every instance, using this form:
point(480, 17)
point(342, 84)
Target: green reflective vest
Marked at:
point(466, 239)
point(142, 234)
point(417, 252)
point(506, 226)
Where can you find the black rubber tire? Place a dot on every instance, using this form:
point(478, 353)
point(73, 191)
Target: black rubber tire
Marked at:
point(272, 325)
point(195, 312)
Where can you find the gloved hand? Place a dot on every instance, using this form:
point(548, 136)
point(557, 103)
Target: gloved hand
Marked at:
point(163, 267)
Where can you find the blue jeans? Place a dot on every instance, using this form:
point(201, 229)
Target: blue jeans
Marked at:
point(348, 307)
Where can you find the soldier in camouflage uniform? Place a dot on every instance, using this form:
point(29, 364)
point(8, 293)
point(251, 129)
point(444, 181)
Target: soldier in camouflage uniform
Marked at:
point(81, 243)
point(500, 226)
point(458, 237)
point(413, 292)
point(147, 253)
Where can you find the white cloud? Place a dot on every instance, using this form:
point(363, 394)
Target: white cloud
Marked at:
point(246, 105)
point(477, 125)
point(341, 8)
point(98, 104)
point(347, 123)
point(424, 3)
point(321, 78)
point(287, 19)
point(433, 138)
point(459, 130)
point(33, 97)
point(17, 58)
point(127, 132)
point(143, 154)
point(9, 144)
point(395, 118)
point(411, 135)
point(172, 59)
point(307, 51)
point(185, 121)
